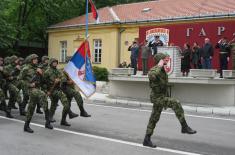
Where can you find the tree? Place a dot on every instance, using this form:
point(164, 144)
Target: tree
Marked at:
point(28, 20)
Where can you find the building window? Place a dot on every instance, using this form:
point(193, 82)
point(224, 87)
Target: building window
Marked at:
point(63, 51)
point(97, 51)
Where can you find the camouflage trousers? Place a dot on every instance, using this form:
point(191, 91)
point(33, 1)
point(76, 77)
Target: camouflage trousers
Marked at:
point(36, 96)
point(14, 95)
point(3, 105)
point(25, 91)
point(55, 97)
point(73, 93)
point(2, 96)
point(163, 103)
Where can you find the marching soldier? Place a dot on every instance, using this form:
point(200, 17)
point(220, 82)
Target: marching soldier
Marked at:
point(158, 80)
point(68, 88)
point(24, 85)
point(32, 75)
point(10, 72)
point(43, 65)
point(52, 79)
point(3, 105)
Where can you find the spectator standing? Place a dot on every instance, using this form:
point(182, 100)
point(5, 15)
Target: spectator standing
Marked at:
point(207, 54)
point(134, 48)
point(224, 54)
point(145, 54)
point(157, 42)
point(185, 60)
point(232, 43)
point(195, 57)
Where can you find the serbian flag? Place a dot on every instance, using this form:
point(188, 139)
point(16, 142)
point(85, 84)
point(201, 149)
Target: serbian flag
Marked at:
point(94, 11)
point(79, 69)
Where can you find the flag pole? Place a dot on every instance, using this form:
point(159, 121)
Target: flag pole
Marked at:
point(86, 34)
point(86, 20)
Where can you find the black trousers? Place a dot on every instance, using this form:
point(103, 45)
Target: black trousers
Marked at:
point(134, 64)
point(223, 63)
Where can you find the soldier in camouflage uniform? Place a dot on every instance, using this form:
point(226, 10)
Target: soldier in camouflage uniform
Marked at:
point(43, 66)
point(158, 80)
point(10, 72)
point(32, 75)
point(24, 85)
point(3, 105)
point(68, 88)
point(6, 62)
point(52, 79)
point(44, 63)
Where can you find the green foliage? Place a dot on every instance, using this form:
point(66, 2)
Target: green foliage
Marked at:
point(101, 73)
point(28, 20)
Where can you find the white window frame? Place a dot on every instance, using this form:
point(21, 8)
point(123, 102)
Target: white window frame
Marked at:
point(97, 52)
point(63, 51)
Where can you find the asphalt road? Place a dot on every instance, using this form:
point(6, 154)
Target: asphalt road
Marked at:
point(119, 131)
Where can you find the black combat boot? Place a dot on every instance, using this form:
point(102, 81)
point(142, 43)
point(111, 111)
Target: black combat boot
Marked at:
point(52, 120)
point(6, 109)
point(83, 112)
point(27, 128)
point(39, 109)
point(63, 120)
point(147, 141)
point(48, 124)
point(1, 107)
point(14, 106)
point(8, 114)
point(22, 110)
point(72, 115)
point(186, 128)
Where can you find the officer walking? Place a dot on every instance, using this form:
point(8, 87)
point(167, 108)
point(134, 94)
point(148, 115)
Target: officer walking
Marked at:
point(158, 80)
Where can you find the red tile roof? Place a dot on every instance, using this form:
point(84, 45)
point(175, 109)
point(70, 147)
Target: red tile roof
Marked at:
point(156, 10)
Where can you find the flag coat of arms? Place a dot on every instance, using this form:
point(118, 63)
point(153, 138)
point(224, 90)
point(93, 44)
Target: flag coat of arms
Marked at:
point(79, 69)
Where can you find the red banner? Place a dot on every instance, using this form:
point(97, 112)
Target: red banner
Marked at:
point(194, 32)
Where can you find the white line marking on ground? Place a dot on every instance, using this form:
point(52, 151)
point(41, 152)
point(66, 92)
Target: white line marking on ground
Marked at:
point(106, 139)
point(169, 113)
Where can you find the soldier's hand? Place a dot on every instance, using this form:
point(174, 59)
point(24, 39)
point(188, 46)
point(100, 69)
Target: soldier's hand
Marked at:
point(57, 80)
point(18, 67)
point(70, 82)
point(32, 85)
point(1, 68)
point(10, 78)
point(228, 59)
point(48, 94)
point(160, 63)
point(39, 71)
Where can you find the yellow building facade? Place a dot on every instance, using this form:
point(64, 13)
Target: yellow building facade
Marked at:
point(119, 26)
point(114, 43)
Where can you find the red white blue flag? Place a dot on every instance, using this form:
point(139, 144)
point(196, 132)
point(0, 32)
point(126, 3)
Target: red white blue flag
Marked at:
point(79, 70)
point(94, 11)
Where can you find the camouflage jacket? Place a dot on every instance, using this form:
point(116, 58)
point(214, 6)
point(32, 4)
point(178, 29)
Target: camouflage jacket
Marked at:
point(29, 75)
point(49, 77)
point(43, 67)
point(64, 82)
point(10, 71)
point(2, 80)
point(158, 80)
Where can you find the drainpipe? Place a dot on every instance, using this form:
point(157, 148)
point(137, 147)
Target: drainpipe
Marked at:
point(120, 30)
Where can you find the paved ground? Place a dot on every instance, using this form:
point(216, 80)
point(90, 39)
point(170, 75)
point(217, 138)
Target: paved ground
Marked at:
point(118, 130)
